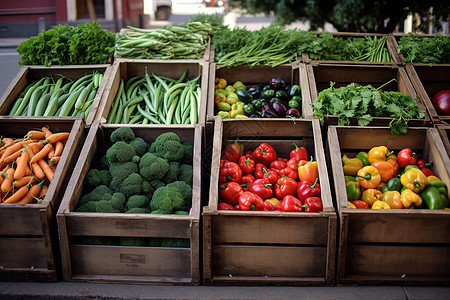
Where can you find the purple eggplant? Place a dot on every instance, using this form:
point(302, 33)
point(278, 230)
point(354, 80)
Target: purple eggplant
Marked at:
point(277, 83)
point(293, 112)
point(279, 108)
point(269, 113)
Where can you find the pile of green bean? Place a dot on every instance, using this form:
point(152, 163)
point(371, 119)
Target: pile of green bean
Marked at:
point(156, 100)
point(61, 97)
point(170, 42)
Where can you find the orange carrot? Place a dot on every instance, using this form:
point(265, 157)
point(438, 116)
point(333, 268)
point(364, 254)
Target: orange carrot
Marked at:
point(7, 141)
point(41, 154)
point(36, 147)
point(59, 146)
point(32, 193)
point(19, 194)
point(37, 171)
point(7, 182)
point(54, 160)
point(43, 191)
point(11, 149)
point(51, 153)
point(46, 168)
point(60, 136)
point(35, 135)
point(13, 156)
point(21, 164)
point(46, 131)
point(24, 181)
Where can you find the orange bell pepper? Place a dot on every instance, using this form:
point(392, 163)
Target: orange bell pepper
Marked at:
point(308, 171)
point(393, 198)
point(385, 169)
point(369, 177)
point(379, 153)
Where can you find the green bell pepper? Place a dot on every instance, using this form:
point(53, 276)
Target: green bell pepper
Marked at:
point(409, 167)
point(352, 187)
point(433, 198)
point(394, 184)
point(439, 185)
point(224, 114)
point(237, 109)
point(364, 157)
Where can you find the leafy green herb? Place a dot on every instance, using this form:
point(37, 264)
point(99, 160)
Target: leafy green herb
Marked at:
point(87, 43)
point(425, 50)
point(366, 102)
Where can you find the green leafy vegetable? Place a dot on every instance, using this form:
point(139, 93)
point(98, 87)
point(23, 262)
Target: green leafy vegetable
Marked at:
point(425, 50)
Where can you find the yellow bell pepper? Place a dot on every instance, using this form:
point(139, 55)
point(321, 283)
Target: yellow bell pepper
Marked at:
point(232, 98)
point(351, 205)
point(370, 196)
point(221, 83)
point(432, 178)
point(393, 198)
point(380, 205)
point(369, 177)
point(351, 165)
point(409, 198)
point(414, 179)
point(379, 153)
point(237, 109)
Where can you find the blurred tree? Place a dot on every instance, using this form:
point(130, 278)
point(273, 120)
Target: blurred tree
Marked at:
point(349, 15)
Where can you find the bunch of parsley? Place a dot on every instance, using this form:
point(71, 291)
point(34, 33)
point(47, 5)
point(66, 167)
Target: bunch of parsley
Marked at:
point(87, 43)
point(366, 102)
point(425, 49)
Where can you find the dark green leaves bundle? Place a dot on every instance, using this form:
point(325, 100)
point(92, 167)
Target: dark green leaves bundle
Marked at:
point(366, 102)
point(425, 50)
point(84, 44)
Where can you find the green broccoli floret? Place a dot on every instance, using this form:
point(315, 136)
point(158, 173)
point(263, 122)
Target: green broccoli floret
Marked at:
point(175, 243)
point(153, 167)
point(140, 146)
point(87, 207)
point(104, 163)
point(131, 185)
point(147, 188)
point(185, 173)
point(120, 152)
point(138, 210)
point(165, 200)
point(140, 201)
point(120, 171)
point(118, 201)
point(97, 240)
point(156, 184)
point(104, 206)
point(188, 153)
point(180, 212)
point(124, 134)
point(133, 241)
point(154, 242)
point(95, 195)
point(186, 192)
point(96, 177)
point(172, 174)
point(168, 145)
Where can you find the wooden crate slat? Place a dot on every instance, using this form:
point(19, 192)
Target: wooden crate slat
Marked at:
point(22, 252)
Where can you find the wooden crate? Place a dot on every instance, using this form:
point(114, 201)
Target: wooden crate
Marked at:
point(428, 81)
point(28, 236)
point(29, 74)
point(392, 246)
point(128, 68)
point(390, 44)
point(320, 75)
point(144, 265)
point(444, 132)
point(294, 73)
point(269, 248)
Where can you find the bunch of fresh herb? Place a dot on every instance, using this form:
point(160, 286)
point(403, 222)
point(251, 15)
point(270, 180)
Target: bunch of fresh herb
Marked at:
point(425, 49)
point(87, 43)
point(366, 102)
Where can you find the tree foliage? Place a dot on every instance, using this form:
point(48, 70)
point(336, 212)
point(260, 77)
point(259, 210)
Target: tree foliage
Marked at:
point(347, 15)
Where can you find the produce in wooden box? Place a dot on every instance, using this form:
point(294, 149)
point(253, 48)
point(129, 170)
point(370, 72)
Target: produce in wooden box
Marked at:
point(260, 180)
point(441, 102)
point(393, 182)
point(275, 99)
point(28, 164)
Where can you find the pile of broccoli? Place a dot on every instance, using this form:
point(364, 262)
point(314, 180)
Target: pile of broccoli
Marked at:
point(134, 176)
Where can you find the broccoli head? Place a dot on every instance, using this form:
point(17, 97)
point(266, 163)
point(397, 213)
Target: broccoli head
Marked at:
point(186, 192)
point(140, 146)
point(105, 206)
point(124, 134)
point(96, 177)
point(172, 174)
point(188, 153)
point(133, 241)
point(165, 200)
point(96, 194)
point(87, 207)
point(153, 167)
point(168, 146)
point(118, 201)
point(186, 174)
point(140, 201)
point(120, 171)
point(147, 188)
point(104, 163)
point(120, 152)
point(131, 185)
point(181, 213)
point(138, 210)
point(156, 184)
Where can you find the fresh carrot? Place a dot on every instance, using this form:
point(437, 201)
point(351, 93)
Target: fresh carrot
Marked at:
point(37, 171)
point(11, 149)
point(19, 194)
point(35, 135)
point(23, 181)
point(60, 136)
point(46, 168)
point(21, 164)
point(46, 131)
point(41, 154)
point(51, 153)
point(36, 147)
point(32, 194)
point(54, 160)
point(59, 146)
point(29, 150)
point(13, 156)
point(43, 191)
point(7, 182)
point(6, 141)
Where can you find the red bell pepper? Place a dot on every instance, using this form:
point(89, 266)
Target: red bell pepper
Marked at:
point(291, 204)
point(265, 154)
point(277, 165)
point(288, 172)
point(259, 173)
point(225, 206)
point(271, 175)
point(406, 157)
point(230, 171)
point(294, 163)
point(250, 201)
point(427, 172)
point(249, 154)
point(268, 206)
point(299, 153)
point(360, 204)
point(285, 186)
point(262, 188)
point(307, 189)
point(246, 181)
point(232, 152)
point(422, 163)
point(313, 204)
point(229, 192)
point(246, 164)
point(309, 171)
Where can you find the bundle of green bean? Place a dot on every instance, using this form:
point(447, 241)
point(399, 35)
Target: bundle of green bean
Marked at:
point(156, 100)
point(62, 97)
point(170, 42)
